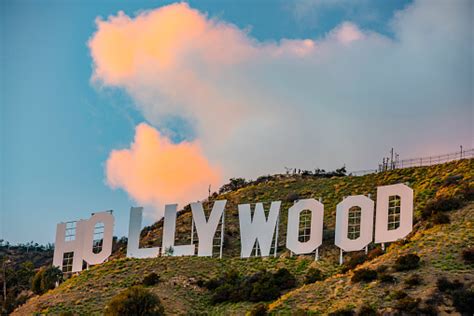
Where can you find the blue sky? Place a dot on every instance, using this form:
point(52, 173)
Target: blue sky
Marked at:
point(58, 129)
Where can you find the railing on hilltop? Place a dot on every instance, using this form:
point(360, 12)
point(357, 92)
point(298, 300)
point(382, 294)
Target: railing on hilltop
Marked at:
point(417, 162)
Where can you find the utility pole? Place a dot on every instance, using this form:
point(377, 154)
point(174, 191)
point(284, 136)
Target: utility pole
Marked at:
point(391, 159)
point(5, 261)
point(461, 150)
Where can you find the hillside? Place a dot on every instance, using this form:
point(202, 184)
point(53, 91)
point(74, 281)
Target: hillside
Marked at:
point(438, 245)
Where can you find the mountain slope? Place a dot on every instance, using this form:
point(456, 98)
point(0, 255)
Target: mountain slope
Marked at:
point(88, 292)
point(440, 249)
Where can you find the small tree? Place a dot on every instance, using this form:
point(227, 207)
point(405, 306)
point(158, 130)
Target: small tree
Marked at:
point(313, 275)
point(46, 279)
point(151, 279)
point(407, 262)
point(135, 301)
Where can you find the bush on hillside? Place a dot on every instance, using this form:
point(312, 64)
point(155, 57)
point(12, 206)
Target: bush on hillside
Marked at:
point(264, 288)
point(151, 279)
point(366, 310)
point(441, 204)
point(260, 286)
point(234, 184)
point(46, 279)
point(374, 253)
point(354, 261)
point(446, 286)
point(381, 268)
point(441, 218)
point(387, 278)
point(407, 262)
point(284, 279)
point(292, 197)
point(258, 310)
point(345, 311)
point(463, 298)
point(468, 193)
point(135, 301)
point(468, 255)
point(408, 305)
point(313, 275)
point(413, 280)
point(463, 301)
point(364, 275)
point(452, 180)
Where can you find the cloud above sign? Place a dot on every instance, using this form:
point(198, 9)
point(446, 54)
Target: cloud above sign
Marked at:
point(155, 171)
point(256, 106)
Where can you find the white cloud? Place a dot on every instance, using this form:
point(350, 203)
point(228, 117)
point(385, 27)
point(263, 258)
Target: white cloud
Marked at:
point(260, 106)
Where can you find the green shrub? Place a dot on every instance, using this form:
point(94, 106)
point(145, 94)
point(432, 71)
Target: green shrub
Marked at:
point(374, 253)
point(468, 255)
point(135, 301)
point(428, 310)
point(258, 310)
point(381, 268)
point(260, 286)
point(398, 295)
point(441, 204)
point(408, 305)
point(364, 275)
point(451, 180)
point(313, 275)
point(284, 279)
point(46, 279)
point(407, 262)
point(463, 300)
point(291, 197)
point(441, 218)
point(346, 311)
point(366, 310)
point(265, 289)
point(354, 261)
point(387, 278)
point(151, 279)
point(413, 280)
point(444, 285)
point(468, 193)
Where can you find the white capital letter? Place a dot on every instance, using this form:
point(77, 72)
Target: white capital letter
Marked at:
point(169, 229)
point(206, 229)
point(134, 229)
point(106, 222)
point(401, 212)
point(363, 222)
point(317, 215)
point(257, 229)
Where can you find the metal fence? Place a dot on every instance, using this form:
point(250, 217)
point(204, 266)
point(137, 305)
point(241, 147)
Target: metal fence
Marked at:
point(418, 162)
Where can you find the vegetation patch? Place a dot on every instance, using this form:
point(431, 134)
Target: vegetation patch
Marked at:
point(151, 279)
point(258, 310)
point(313, 275)
point(364, 275)
point(135, 301)
point(463, 298)
point(407, 262)
point(260, 286)
point(387, 278)
point(46, 279)
point(354, 261)
point(413, 280)
point(468, 255)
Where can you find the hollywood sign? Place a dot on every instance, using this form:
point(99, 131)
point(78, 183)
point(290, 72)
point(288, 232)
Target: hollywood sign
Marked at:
point(89, 242)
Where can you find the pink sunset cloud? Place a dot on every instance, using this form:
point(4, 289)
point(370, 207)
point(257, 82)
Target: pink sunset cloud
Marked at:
point(155, 171)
